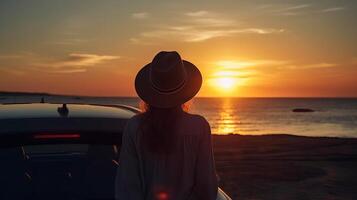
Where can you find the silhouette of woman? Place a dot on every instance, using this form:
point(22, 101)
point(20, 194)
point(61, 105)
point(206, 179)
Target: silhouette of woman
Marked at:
point(166, 153)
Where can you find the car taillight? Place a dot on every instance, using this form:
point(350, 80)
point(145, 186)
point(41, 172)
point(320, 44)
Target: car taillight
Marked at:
point(56, 136)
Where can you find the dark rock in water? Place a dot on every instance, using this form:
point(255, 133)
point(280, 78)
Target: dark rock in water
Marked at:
point(303, 110)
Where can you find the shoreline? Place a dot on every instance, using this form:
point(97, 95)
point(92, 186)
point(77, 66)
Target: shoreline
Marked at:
point(286, 166)
point(285, 135)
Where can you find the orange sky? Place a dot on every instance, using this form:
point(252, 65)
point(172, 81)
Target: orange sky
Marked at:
point(245, 49)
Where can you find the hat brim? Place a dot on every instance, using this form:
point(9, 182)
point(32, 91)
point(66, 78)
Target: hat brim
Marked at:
point(151, 96)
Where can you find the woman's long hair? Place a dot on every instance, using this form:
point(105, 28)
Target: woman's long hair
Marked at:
point(159, 127)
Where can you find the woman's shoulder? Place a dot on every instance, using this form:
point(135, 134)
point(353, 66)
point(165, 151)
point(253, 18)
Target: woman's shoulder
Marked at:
point(132, 127)
point(197, 119)
point(137, 117)
point(135, 120)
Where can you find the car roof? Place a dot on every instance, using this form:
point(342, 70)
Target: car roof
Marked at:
point(52, 118)
point(49, 110)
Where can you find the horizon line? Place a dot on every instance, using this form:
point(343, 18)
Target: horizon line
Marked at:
point(124, 96)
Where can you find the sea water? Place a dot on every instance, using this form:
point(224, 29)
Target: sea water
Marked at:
point(335, 117)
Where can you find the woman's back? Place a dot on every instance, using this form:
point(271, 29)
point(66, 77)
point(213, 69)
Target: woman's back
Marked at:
point(185, 172)
point(166, 154)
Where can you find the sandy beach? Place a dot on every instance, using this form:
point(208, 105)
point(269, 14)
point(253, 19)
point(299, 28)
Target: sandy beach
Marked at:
point(286, 167)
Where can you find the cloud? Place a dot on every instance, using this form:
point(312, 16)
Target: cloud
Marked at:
point(72, 41)
point(295, 7)
point(80, 59)
point(197, 13)
point(238, 72)
point(294, 10)
point(243, 69)
point(288, 13)
point(246, 70)
point(233, 74)
point(333, 9)
point(311, 66)
point(212, 22)
point(278, 64)
point(248, 64)
point(291, 10)
point(321, 65)
point(194, 34)
point(68, 71)
point(140, 15)
point(207, 19)
point(197, 27)
point(75, 62)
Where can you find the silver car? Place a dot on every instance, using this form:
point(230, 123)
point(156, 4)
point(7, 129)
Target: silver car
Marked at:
point(61, 151)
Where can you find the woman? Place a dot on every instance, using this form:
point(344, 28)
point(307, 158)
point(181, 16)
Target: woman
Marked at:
point(166, 153)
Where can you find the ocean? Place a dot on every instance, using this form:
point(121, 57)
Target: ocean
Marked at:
point(334, 117)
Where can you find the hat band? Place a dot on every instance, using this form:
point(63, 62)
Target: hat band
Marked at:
point(169, 91)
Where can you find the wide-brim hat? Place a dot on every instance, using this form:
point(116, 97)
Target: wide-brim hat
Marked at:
point(168, 81)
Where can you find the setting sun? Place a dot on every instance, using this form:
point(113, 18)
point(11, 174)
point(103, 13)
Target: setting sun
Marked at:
point(226, 83)
point(228, 75)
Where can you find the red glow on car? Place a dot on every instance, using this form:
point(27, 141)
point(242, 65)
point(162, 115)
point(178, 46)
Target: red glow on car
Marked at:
point(57, 136)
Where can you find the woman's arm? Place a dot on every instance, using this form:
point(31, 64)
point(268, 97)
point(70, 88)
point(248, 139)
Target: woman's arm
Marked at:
point(128, 182)
point(206, 185)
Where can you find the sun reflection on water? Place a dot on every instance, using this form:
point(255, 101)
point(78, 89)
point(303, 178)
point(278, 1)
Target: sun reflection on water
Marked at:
point(227, 121)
